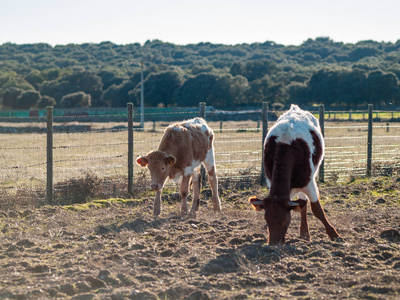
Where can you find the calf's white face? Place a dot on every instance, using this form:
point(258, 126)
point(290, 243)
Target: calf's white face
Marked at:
point(159, 164)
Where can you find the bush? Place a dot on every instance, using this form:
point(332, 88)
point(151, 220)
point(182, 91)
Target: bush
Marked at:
point(46, 101)
point(79, 99)
point(27, 99)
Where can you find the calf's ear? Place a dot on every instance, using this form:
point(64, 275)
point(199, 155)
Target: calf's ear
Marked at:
point(142, 161)
point(256, 203)
point(171, 160)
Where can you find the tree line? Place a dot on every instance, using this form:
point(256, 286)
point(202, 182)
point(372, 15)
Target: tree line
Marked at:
point(319, 71)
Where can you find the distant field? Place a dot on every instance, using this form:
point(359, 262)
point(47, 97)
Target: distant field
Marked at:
point(102, 149)
point(360, 116)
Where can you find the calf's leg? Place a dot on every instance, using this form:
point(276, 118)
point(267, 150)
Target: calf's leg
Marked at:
point(212, 178)
point(157, 203)
point(184, 190)
point(209, 163)
point(196, 193)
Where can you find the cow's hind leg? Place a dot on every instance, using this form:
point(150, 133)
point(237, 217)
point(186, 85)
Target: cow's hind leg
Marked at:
point(312, 193)
point(209, 163)
point(196, 193)
point(157, 203)
point(184, 191)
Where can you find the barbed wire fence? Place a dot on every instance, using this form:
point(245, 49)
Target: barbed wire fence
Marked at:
point(90, 153)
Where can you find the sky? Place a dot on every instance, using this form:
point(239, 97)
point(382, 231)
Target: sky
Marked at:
point(182, 22)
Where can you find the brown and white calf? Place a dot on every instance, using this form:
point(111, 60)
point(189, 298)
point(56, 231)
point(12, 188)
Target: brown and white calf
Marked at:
point(293, 151)
point(182, 149)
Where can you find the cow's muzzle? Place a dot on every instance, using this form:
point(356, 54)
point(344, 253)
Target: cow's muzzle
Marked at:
point(155, 187)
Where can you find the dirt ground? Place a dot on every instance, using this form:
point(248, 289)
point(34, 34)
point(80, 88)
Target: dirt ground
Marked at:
point(116, 249)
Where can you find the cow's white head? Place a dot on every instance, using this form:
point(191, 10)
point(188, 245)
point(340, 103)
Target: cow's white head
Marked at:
point(159, 164)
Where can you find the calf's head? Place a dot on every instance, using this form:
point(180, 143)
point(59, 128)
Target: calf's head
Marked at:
point(159, 164)
point(277, 215)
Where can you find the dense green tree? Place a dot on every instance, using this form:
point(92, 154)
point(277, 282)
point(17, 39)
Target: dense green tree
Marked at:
point(258, 90)
point(111, 76)
point(58, 89)
point(50, 74)
point(381, 88)
point(75, 100)
point(317, 71)
point(46, 101)
point(35, 78)
point(254, 69)
point(87, 82)
point(323, 87)
point(195, 90)
point(159, 88)
point(27, 99)
point(229, 91)
point(361, 52)
point(10, 96)
point(298, 92)
point(118, 95)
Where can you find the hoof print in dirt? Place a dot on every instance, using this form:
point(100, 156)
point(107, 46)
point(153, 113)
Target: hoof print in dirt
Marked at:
point(95, 283)
point(392, 235)
point(39, 269)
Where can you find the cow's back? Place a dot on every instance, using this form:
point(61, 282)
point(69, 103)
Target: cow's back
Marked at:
point(296, 134)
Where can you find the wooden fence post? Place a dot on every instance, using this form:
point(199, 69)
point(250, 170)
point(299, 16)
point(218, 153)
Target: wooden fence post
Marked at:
point(202, 114)
point(369, 145)
point(322, 125)
point(264, 117)
point(202, 110)
point(130, 148)
point(49, 183)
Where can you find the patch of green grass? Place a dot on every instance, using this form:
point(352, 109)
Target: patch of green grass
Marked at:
point(103, 203)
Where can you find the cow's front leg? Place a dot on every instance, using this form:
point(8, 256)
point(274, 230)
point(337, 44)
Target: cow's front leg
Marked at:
point(157, 203)
point(184, 190)
point(304, 229)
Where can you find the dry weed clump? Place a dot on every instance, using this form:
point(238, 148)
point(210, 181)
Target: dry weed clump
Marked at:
point(23, 197)
point(90, 186)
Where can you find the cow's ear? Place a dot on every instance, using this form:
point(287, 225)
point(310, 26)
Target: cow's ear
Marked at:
point(256, 203)
point(171, 160)
point(298, 204)
point(142, 161)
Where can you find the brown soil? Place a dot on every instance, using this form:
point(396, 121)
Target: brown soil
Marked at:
point(118, 250)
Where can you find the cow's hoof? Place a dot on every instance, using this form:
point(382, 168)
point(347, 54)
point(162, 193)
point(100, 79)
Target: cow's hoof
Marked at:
point(217, 205)
point(192, 214)
point(217, 209)
point(339, 239)
point(305, 237)
point(156, 211)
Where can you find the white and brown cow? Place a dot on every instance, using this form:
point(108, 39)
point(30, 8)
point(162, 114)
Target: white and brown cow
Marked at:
point(182, 149)
point(293, 151)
